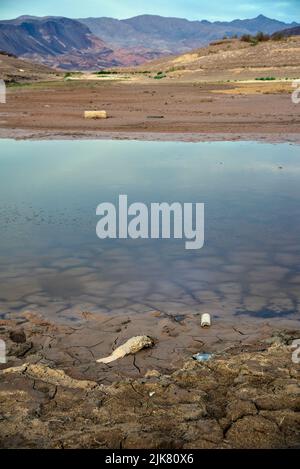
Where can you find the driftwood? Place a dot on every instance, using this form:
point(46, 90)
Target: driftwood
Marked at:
point(132, 346)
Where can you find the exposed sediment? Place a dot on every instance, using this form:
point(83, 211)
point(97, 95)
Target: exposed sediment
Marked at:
point(246, 396)
point(188, 111)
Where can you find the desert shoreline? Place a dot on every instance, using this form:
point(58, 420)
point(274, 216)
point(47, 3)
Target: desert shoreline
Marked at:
point(171, 111)
point(188, 137)
point(109, 338)
point(54, 393)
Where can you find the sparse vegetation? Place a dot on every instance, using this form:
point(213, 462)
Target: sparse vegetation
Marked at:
point(246, 37)
point(121, 72)
point(265, 79)
point(176, 69)
point(72, 74)
point(8, 54)
point(159, 76)
point(106, 72)
point(261, 37)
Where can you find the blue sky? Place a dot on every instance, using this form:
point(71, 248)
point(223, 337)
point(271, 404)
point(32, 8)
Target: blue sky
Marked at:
point(286, 10)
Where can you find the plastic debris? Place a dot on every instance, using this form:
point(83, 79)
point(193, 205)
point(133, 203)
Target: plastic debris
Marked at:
point(202, 357)
point(2, 351)
point(205, 320)
point(95, 114)
point(132, 346)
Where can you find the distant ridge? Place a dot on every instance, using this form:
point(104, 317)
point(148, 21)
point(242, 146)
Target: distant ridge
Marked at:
point(92, 43)
point(290, 32)
point(175, 35)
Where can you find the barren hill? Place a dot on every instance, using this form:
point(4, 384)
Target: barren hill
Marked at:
point(234, 60)
point(61, 43)
point(14, 70)
point(291, 31)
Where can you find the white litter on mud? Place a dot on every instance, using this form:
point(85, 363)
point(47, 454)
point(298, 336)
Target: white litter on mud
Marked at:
point(205, 320)
point(132, 346)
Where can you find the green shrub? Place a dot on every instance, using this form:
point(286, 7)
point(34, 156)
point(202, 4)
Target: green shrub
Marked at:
point(159, 76)
point(265, 79)
point(254, 40)
point(246, 38)
point(261, 37)
point(106, 72)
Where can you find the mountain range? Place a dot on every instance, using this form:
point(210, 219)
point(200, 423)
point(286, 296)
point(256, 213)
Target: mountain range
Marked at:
point(174, 35)
point(95, 43)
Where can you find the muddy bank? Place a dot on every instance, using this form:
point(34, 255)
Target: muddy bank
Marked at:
point(53, 394)
point(74, 346)
point(192, 137)
point(179, 110)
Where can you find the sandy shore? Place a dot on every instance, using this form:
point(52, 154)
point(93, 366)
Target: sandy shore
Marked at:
point(173, 110)
point(54, 394)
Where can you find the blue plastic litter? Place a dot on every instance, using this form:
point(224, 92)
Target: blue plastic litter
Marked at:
point(202, 357)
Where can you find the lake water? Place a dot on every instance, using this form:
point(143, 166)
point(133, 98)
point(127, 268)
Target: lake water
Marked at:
point(52, 261)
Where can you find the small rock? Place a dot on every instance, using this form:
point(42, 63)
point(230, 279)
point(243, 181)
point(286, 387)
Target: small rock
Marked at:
point(152, 374)
point(18, 337)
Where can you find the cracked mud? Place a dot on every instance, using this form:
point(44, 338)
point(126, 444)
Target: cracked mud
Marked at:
point(53, 394)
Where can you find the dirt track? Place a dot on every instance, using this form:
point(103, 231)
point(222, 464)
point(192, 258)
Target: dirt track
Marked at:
point(136, 107)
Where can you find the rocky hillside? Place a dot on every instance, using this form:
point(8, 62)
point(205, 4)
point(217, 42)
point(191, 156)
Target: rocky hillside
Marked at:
point(14, 70)
point(47, 36)
point(60, 43)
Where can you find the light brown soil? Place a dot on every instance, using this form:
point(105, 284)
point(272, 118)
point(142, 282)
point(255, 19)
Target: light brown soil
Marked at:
point(53, 394)
point(233, 59)
point(137, 107)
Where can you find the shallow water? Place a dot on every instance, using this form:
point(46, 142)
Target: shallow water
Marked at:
point(51, 260)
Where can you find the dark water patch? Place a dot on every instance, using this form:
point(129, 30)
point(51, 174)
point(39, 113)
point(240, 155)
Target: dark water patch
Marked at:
point(266, 314)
